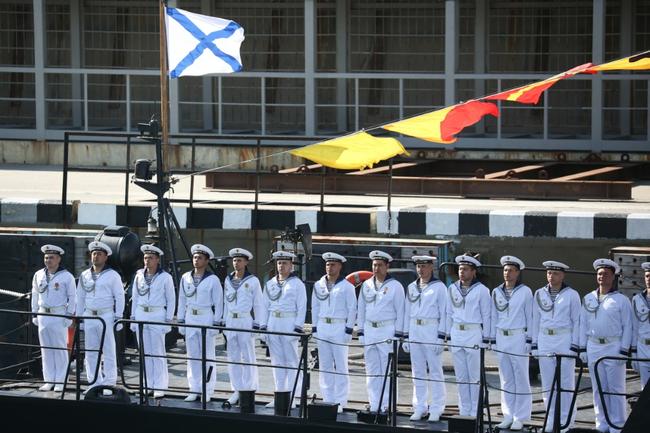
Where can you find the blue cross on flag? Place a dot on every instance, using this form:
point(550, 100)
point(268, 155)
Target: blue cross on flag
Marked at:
point(200, 44)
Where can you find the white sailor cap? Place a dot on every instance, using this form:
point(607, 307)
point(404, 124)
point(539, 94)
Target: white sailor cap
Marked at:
point(467, 260)
point(512, 260)
point(150, 249)
point(240, 252)
point(52, 249)
point(380, 255)
point(607, 263)
point(202, 249)
point(283, 255)
point(645, 266)
point(333, 257)
point(552, 265)
point(421, 260)
point(99, 246)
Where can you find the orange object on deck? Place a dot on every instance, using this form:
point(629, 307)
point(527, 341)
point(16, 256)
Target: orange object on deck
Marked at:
point(358, 277)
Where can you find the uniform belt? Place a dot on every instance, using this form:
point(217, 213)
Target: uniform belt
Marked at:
point(283, 314)
point(150, 308)
point(234, 315)
point(424, 322)
point(97, 312)
point(466, 326)
point(198, 311)
point(53, 310)
point(510, 332)
point(555, 331)
point(379, 324)
point(604, 340)
point(330, 320)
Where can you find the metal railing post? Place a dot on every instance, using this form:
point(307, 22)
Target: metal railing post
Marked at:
point(64, 186)
point(558, 394)
point(203, 368)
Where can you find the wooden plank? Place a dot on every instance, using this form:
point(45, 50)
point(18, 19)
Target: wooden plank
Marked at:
point(589, 173)
point(517, 170)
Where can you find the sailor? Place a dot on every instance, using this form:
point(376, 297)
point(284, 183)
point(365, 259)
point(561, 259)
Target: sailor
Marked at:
point(100, 294)
point(467, 327)
point(511, 326)
point(424, 329)
point(243, 309)
point(641, 338)
point(555, 330)
point(200, 302)
point(606, 330)
point(53, 292)
point(285, 303)
point(333, 311)
point(380, 319)
point(154, 300)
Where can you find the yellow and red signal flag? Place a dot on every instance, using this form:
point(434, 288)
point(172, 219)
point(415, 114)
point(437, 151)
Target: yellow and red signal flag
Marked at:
point(530, 93)
point(442, 125)
point(637, 62)
point(351, 152)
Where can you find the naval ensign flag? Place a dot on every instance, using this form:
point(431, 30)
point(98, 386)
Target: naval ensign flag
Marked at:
point(201, 45)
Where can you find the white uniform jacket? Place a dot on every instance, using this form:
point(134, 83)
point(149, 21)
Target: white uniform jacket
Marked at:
point(102, 295)
point(55, 296)
point(339, 303)
point(515, 313)
point(288, 300)
point(425, 305)
point(641, 329)
point(240, 301)
point(473, 308)
point(381, 304)
point(155, 301)
point(609, 319)
point(561, 315)
point(204, 300)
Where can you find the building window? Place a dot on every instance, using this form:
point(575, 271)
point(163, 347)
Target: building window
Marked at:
point(391, 36)
point(16, 34)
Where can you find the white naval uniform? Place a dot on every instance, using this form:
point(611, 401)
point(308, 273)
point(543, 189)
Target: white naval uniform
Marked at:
point(511, 325)
point(380, 320)
point(200, 304)
point(468, 325)
point(556, 330)
point(239, 302)
point(424, 322)
point(102, 298)
point(641, 335)
point(333, 312)
point(155, 302)
point(285, 306)
point(606, 330)
point(55, 296)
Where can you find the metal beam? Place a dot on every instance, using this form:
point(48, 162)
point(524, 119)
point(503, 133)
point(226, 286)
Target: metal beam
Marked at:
point(464, 187)
point(516, 170)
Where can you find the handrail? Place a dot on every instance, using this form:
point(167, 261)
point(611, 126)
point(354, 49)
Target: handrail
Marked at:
point(556, 388)
point(602, 394)
point(76, 346)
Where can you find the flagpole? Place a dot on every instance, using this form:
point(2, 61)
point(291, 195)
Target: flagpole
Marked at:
point(164, 90)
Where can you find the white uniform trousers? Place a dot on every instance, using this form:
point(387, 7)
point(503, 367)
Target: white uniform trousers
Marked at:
point(333, 363)
point(241, 348)
point(153, 346)
point(612, 379)
point(93, 334)
point(467, 367)
point(559, 343)
point(53, 333)
point(194, 347)
point(516, 399)
point(284, 353)
point(643, 351)
point(376, 356)
point(423, 359)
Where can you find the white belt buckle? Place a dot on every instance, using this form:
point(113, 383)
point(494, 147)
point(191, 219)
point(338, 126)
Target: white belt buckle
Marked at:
point(462, 327)
point(328, 320)
point(646, 341)
point(602, 340)
point(277, 314)
point(550, 331)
